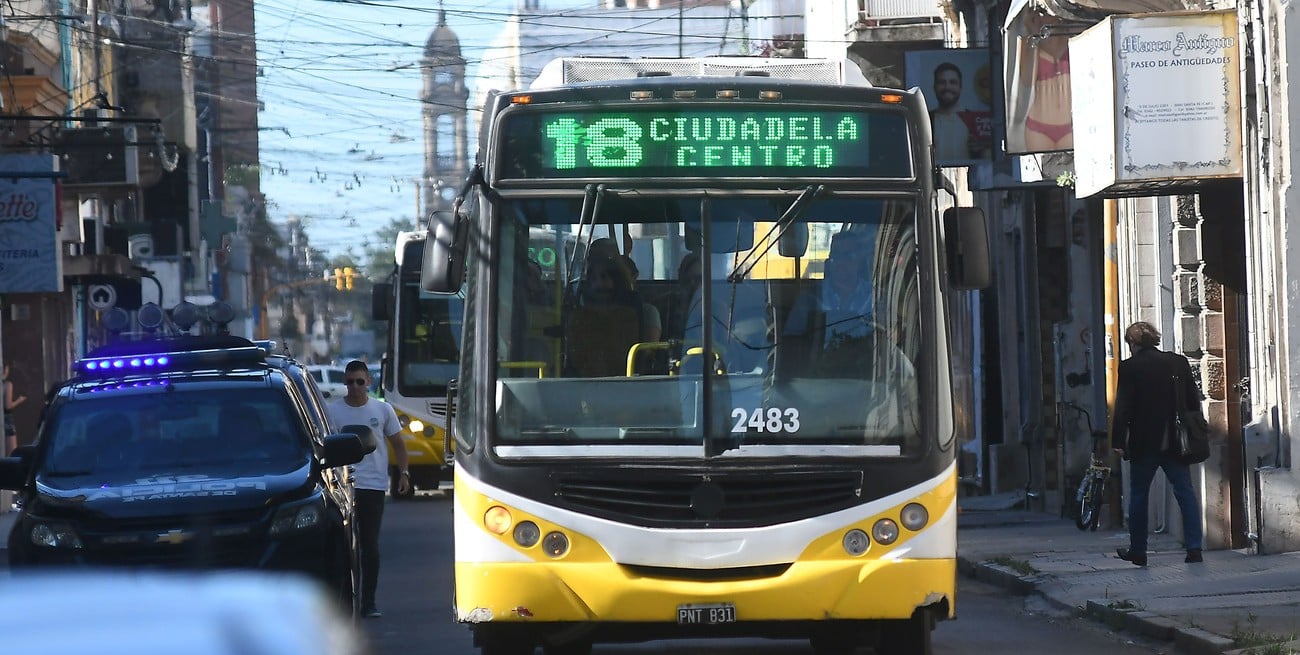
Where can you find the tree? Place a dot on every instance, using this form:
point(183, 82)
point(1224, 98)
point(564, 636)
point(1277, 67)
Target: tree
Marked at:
point(379, 254)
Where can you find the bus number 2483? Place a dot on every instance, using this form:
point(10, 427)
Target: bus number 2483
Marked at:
point(771, 419)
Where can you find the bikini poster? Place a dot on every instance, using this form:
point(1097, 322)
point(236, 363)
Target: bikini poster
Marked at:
point(1036, 75)
point(957, 87)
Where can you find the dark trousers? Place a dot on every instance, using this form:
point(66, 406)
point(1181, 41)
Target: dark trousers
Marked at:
point(369, 505)
point(1143, 471)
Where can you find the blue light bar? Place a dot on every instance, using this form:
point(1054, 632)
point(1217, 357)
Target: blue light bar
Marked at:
point(129, 385)
point(169, 361)
point(124, 363)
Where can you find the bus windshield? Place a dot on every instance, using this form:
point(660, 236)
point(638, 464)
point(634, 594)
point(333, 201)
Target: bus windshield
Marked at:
point(428, 341)
point(774, 320)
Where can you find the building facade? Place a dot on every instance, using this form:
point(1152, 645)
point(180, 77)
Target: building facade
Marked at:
point(1205, 255)
point(120, 95)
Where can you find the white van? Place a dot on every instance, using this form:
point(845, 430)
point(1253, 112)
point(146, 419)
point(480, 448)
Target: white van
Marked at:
point(330, 380)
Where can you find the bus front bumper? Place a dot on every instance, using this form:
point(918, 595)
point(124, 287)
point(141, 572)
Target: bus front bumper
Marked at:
point(806, 591)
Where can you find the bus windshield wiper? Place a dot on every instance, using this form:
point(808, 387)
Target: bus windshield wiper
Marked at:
point(590, 210)
point(745, 265)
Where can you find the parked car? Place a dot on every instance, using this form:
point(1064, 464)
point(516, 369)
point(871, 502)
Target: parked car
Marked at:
point(329, 379)
point(190, 453)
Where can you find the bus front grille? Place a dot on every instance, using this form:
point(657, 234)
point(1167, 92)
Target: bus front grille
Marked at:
point(659, 498)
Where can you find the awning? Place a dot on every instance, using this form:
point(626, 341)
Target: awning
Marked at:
point(1091, 11)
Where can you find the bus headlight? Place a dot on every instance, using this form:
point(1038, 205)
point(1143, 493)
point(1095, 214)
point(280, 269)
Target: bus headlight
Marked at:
point(914, 516)
point(416, 426)
point(856, 542)
point(885, 531)
point(55, 535)
point(527, 534)
point(497, 519)
point(555, 544)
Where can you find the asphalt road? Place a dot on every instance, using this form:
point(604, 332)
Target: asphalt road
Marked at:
point(416, 582)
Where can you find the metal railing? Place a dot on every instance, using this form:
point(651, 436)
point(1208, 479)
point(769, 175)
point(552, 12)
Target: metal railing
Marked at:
point(878, 9)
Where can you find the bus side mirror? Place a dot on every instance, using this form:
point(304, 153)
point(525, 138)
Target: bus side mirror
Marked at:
point(381, 301)
point(966, 241)
point(794, 241)
point(443, 266)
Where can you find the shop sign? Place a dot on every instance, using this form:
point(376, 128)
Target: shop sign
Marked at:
point(30, 259)
point(1156, 103)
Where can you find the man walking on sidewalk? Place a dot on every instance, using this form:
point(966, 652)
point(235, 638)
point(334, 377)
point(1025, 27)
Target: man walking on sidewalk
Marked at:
point(1144, 413)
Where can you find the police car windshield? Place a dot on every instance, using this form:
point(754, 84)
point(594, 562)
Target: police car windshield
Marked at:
point(201, 431)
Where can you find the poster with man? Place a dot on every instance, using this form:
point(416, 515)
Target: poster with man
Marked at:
point(957, 88)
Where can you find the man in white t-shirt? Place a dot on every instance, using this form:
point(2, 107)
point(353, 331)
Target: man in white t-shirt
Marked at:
point(371, 473)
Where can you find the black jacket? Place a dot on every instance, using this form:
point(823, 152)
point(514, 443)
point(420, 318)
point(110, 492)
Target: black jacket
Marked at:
point(1144, 401)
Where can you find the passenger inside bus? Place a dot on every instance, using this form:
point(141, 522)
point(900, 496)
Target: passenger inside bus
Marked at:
point(741, 316)
point(540, 309)
point(605, 319)
point(651, 327)
point(598, 251)
point(679, 304)
point(829, 331)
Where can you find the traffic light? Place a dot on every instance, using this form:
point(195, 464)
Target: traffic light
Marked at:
point(338, 279)
point(348, 274)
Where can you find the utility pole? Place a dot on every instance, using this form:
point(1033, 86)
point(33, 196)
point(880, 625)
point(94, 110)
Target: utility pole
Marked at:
point(681, 27)
point(744, 27)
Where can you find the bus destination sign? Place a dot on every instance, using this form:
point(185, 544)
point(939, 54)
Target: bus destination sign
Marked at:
point(682, 141)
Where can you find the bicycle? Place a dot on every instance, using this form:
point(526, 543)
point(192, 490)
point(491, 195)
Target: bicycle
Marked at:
point(1092, 488)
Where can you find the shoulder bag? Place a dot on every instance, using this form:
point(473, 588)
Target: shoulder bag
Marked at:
point(1191, 431)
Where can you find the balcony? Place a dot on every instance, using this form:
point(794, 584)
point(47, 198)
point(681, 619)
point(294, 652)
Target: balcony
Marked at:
point(895, 21)
point(879, 12)
point(884, 30)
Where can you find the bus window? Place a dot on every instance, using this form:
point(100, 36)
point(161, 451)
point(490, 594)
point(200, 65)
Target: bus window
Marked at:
point(839, 317)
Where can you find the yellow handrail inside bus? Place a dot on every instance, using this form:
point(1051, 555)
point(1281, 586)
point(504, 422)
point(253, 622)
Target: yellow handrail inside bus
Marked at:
point(646, 346)
point(717, 359)
point(540, 366)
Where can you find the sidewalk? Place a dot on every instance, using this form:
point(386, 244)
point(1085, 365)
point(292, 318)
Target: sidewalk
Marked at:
point(1230, 603)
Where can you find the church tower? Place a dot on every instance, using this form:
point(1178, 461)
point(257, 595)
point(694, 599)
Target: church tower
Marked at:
point(446, 147)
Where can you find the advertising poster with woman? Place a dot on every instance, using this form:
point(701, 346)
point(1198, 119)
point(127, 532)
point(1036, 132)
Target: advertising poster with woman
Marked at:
point(957, 88)
point(1037, 79)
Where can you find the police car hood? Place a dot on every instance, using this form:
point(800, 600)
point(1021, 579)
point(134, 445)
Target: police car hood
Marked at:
point(136, 494)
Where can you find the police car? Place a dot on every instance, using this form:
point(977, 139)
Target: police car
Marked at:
point(189, 452)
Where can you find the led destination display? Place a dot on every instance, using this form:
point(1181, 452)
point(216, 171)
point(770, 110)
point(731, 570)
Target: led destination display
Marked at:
point(706, 142)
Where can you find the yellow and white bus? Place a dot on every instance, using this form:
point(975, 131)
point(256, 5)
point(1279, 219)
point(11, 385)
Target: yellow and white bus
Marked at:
point(753, 434)
point(422, 354)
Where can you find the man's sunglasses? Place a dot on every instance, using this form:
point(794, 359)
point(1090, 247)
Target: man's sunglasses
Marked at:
point(357, 381)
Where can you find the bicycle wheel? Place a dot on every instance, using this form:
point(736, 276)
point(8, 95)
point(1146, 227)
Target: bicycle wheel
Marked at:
point(1098, 497)
point(1086, 517)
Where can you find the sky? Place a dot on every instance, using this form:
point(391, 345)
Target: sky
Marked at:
point(341, 144)
point(340, 137)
